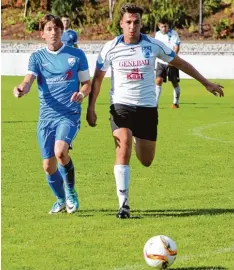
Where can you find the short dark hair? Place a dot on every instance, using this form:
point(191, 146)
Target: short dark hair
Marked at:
point(130, 8)
point(50, 18)
point(65, 16)
point(163, 21)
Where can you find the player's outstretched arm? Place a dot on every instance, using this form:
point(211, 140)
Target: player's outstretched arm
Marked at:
point(183, 65)
point(25, 86)
point(91, 116)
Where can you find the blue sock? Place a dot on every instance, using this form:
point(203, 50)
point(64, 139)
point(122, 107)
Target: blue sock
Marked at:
point(68, 174)
point(55, 182)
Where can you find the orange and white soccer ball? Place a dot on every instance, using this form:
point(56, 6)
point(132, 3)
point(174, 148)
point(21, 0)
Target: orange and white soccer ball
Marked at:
point(160, 252)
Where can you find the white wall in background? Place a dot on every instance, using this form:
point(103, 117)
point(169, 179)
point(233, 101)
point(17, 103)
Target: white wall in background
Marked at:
point(211, 66)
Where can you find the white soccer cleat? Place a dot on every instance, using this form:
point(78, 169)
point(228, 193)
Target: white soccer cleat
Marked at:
point(57, 207)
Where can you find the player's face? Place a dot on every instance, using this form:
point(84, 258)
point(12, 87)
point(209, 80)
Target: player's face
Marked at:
point(163, 27)
point(66, 22)
point(131, 25)
point(52, 34)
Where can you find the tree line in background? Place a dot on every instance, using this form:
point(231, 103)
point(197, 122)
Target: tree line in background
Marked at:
point(180, 13)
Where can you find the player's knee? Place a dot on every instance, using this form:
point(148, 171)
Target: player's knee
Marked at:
point(159, 81)
point(48, 168)
point(60, 154)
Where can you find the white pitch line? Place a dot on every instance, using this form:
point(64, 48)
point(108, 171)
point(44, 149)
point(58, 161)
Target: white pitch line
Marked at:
point(181, 258)
point(208, 254)
point(130, 267)
point(197, 131)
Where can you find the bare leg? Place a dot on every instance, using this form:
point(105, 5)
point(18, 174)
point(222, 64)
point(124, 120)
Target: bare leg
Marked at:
point(145, 151)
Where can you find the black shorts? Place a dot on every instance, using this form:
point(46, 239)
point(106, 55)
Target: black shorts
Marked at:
point(165, 71)
point(142, 121)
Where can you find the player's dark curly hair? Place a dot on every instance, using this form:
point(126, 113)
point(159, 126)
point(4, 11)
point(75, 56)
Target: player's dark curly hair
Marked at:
point(163, 21)
point(130, 8)
point(50, 18)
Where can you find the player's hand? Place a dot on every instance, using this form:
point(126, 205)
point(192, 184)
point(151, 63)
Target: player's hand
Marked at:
point(215, 89)
point(91, 117)
point(18, 92)
point(21, 90)
point(77, 97)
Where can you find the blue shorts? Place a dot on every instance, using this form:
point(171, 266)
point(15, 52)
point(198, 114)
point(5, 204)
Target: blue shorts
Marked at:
point(48, 132)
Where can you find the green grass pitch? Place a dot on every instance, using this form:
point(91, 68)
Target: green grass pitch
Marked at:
point(187, 193)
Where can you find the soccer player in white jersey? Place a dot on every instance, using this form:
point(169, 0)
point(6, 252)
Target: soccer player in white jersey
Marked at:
point(133, 109)
point(163, 70)
point(59, 70)
point(69, 36)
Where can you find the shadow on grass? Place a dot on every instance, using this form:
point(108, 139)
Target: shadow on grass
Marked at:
point(138, 214)
point(182, 213)
point(201, 268)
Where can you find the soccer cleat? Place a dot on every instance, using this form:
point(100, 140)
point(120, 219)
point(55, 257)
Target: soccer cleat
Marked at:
point(72, 203)
point(124, 212)
point(57, 207)
point(175, 106)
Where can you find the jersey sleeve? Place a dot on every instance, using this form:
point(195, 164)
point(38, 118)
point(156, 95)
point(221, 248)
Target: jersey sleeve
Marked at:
point(83, 69)
point(175, 39)
point(164, 52)
point(156, 35)
point(103, 60)
point(32, 65)
point(75, 38)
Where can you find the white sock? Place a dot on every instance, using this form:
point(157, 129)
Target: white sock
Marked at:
point(176, 99)
point(158, 90)
point(122, 179)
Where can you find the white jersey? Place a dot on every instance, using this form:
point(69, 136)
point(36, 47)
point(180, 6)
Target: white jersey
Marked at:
point(170, 39)
point(132, 69)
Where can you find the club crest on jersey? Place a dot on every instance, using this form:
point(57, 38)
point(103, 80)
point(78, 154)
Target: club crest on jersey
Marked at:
point(147, 50)
point(71, 61)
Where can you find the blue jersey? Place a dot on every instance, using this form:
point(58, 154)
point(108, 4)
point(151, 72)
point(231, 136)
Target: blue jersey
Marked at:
point(58, 76)
point(69, 37)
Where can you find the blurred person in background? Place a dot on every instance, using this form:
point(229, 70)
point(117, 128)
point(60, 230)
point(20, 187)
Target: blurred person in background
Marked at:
point(69, 36)
point(164, 70)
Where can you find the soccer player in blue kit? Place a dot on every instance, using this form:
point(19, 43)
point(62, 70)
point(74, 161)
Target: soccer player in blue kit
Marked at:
point(59, 70)
point(69, 36)
point(133, 110)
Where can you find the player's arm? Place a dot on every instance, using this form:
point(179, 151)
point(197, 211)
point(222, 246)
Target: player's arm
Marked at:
point(176, 41)
point(91, 116)
point(75, 40)
point(85, 88)
point(25, 86)
point(187, 68)
point(84, 79)
point(82, 93)
point(176, 49)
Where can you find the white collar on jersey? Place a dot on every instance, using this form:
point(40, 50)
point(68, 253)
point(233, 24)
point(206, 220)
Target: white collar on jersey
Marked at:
point(140, 39)
point(55, 52)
